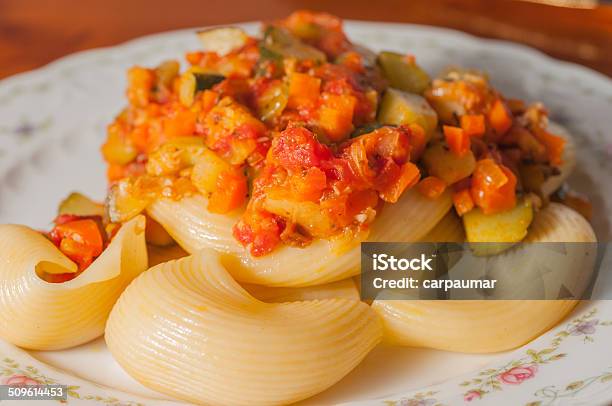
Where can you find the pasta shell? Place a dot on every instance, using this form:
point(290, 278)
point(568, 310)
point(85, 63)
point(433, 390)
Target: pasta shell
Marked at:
point(569, 160)
point(187, 329)
point(193, 227)
point(449, 229)
point(492, 325)
point(49, 316)
point(344, 289)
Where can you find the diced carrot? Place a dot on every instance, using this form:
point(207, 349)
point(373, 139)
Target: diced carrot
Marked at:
point(473, 125)
point(304, 90)
point(418, 141)
point(140, 83)
point(140, 137)
point(457, 140)
point(336, 115)
point(115, 172)
point(209, 100)
point(230, 194)
point(499, 117)
point(431, 187)
point(309, 187)
point(493, 187)
point(81, 241)
point(182, 124)
point(398, 179)
point(463, 202)
point(554, 147)
point(194, 58)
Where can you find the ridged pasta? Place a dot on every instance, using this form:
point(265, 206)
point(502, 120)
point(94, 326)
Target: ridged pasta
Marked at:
point(486, 326)
point(187, 329)
point(39, 315)
point(449, 229)
point(569, 160)
point(344, 289)
point(193, 227)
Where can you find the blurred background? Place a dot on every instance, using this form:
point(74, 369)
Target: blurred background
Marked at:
point(35, 32)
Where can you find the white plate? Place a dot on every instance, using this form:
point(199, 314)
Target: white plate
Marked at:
point(53, 120)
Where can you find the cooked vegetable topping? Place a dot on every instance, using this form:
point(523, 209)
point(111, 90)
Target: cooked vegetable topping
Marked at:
point(311, 134)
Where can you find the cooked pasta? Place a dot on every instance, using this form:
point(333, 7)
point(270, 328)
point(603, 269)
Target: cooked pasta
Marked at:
point(40, 315)
point(490, 325)
point(187, 329)
point(344, 289)
point(193, 227)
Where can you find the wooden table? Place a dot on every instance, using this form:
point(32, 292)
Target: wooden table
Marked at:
point(35, 32)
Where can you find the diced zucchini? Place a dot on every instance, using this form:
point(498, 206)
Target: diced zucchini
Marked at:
point(175, 155)
point(507, 227)
point(279, 41)
point(366, 129)
point(403, 73)
point(117, 149)
point(399, 108)
point(192, 82)
point(165, 73)
point(273, 101)
point(307, 214)
point(368, 56)
point(80, 205)
point(206, 170)
point(122, 204)
point(222, 40)
point(440, 162)
point(207, 80)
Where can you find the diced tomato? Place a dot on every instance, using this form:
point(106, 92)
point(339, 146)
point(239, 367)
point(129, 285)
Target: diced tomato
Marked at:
point(360, 200)
point(458, 141)
point(259, 232)
point(493, 187)
point(231, 192)
point(304, 90)
point(297, 147)
point(462, 200)
point(473, 125)
point(431, 187)
point(394, 179)
point(79, 240)
point(499, 117)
